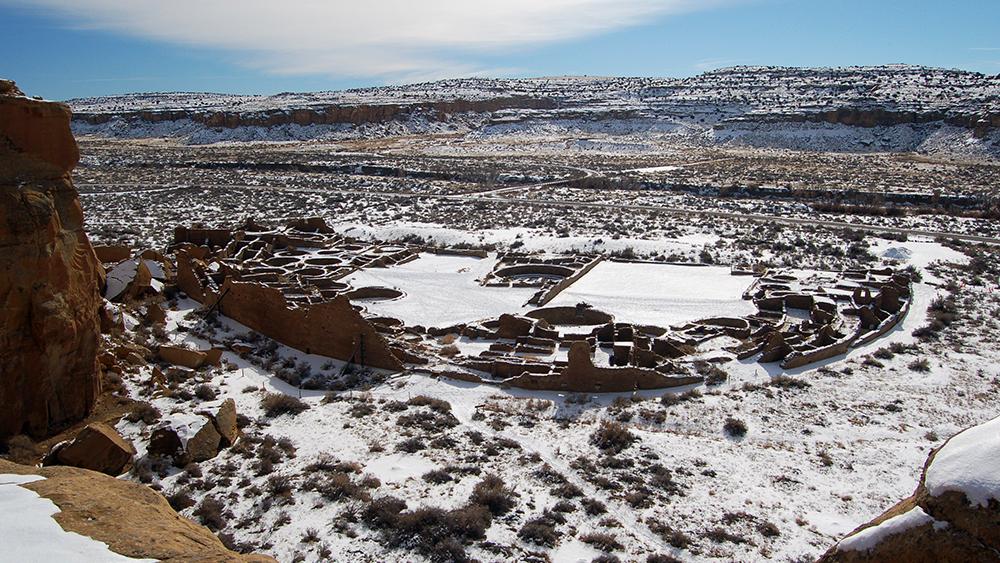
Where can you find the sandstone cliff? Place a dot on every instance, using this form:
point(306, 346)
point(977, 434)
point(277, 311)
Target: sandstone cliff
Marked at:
point(953, 516)
point(132, 519)
point(49, 273)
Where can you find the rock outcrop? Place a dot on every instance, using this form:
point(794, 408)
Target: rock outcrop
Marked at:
point(49, 274)
point(97, 447)
point(132, 519)
point(953, 516)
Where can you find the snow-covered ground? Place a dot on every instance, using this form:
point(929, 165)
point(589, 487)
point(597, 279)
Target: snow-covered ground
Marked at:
point(660, 294)
point(441, 290)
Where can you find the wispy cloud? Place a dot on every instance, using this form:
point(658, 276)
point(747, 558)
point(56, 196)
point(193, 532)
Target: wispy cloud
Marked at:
point(713, 64)
point(991, 49)
point(388, 39)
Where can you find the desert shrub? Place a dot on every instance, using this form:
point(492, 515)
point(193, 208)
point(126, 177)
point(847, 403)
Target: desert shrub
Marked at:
point(204, 392)
point(606, 558)
point(180, 499)
point(437, 476)
point(786, 382)
point(361, 410)
point(493, 494)
point(449, 351)
point(382, 512)
point(394, 406)
point(593, 507)
point(661, 558)
point(674, 537)
point(540, 531)
point(735, 427)
point(211, 513)
point(280, 486)
point(411, 445)
point(922, 365)
point(564, 506)
point(719, 535)
point(336, 486)
point(277, 404)
point(436, 405)
point(768, 530)
point(311, 535)
point(612, 437)
point(567, 490)
point(437, 534)
point(602, 541)
point(145, 412)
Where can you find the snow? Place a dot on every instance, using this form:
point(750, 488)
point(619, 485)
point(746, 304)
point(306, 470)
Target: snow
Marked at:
point(441, 290)
point(867, 539)
point(31, 534)
point(660, 294)
point(396, 468)
point(969, 463)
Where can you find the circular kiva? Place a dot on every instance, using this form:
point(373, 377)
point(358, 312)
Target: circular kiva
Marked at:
point(571, 316)
point(374, 293)
point(534, 270)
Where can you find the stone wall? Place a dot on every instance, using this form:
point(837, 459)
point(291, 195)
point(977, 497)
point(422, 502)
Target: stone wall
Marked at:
point(49, 274)
point(333, 328)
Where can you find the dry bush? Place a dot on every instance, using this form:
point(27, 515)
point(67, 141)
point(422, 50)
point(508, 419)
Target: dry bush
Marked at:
point(493, 494)
point(612, 437)
point(277, 404)
point(602, 541)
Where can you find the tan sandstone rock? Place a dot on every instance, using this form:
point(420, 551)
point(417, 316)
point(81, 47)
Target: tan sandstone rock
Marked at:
point(132, 519)
point(97, 447)
point(49, 274)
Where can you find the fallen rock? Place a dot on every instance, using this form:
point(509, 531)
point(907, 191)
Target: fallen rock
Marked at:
point(165, 442)
point(97, 447)
point(225, 422)
point(49, 274)
point(954, 514)
point(192, 359)
point(204, 445)
point(134, 520)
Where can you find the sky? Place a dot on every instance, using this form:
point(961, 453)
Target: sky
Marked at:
point(63, 49)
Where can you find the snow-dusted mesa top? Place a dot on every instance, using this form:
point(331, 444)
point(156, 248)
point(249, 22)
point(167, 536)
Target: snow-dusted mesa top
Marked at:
point(969, 463)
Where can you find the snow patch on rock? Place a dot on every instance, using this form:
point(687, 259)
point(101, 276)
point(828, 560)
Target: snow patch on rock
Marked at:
point(969, 463)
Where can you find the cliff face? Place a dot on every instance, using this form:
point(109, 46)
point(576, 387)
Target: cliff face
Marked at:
point(49, 292)
point(328, 115)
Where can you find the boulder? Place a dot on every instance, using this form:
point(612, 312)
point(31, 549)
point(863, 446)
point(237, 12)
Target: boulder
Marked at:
point(204, 445)
point(953, 516)
point(97, 447)
point(113, 254)
point(225, 422)
point(165, 442)
point(180, 356)
point(49, 274)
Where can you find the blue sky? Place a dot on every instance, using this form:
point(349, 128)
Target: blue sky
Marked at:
point(62, 49)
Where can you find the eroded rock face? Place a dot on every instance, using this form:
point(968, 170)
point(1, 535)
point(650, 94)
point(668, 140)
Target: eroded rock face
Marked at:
point(48, 274)
point(954, 514)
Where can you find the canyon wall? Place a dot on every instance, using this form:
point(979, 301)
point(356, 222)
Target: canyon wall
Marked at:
point(49, 274)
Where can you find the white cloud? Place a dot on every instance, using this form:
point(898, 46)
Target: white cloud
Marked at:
point(370, 38)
